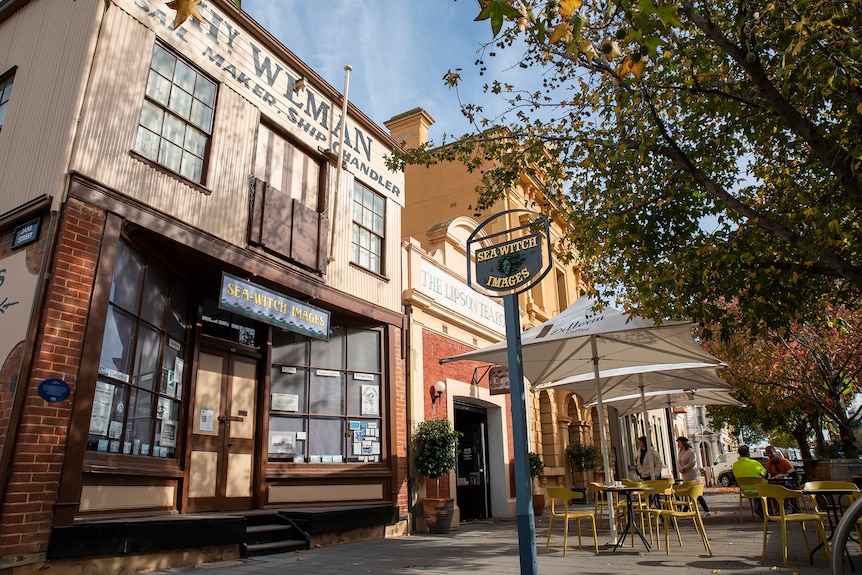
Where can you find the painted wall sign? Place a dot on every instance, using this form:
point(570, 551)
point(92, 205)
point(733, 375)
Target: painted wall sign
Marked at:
point(225, 51)
point(456, 296)
point(514, 264)
point(254, 301)
point(54, 390)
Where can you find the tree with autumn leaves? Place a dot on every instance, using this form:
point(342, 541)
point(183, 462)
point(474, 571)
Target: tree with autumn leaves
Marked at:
point(701, 152)
point(800, 380)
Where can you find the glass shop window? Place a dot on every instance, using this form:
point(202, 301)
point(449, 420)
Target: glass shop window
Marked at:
point(139, 391)
point(325, 398)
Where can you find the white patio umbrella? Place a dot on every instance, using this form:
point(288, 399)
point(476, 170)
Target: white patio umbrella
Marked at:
point(631, 404)
point(639, 381)
point(580, 341)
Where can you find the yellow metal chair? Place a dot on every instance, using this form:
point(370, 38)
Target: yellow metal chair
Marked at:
point(748, 490)
point(560, 499)
point(780, 494)
point(600, 498)
point(684, 504)
point(821, 504)
point(662, 492)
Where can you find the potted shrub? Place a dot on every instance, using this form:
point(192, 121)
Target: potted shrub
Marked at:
point(434, 444)
point(537, 467)
point(582, 457)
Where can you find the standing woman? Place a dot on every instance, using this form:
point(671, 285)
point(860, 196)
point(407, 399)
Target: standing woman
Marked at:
point(648, 460)
point(688, 469)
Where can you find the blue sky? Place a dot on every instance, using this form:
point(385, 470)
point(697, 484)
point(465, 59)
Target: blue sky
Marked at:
point(399, 51)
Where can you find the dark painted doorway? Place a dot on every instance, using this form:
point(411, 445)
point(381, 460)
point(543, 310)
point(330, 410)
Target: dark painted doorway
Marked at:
point(473, 491)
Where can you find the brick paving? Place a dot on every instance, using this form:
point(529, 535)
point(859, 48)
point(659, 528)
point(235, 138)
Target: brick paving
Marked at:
point(491, 547)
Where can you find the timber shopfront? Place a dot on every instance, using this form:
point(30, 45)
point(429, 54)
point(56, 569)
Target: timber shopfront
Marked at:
point(214, 363)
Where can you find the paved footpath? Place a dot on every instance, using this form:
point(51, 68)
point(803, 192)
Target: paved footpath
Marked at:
point(491, 548)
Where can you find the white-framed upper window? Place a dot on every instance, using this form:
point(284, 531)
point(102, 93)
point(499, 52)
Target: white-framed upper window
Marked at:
point(177, 116)
point(5, 93)
point(367, 233)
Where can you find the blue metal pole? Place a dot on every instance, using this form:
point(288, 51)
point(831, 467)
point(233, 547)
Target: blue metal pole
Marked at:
point(523, 490)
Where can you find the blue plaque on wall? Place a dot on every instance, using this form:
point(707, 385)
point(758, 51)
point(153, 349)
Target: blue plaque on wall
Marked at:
point(54, 390)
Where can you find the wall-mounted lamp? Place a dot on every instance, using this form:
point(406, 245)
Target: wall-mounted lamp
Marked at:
point(300, 84)
point(436, 391)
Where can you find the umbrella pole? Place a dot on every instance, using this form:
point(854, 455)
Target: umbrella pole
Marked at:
point(604, 440)
point(647, 428)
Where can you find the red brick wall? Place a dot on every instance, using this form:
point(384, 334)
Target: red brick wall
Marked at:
point(435, 347)
point(27, 511)
point(398, 426)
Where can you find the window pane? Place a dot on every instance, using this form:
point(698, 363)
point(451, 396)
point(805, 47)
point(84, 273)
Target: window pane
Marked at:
point(152, 117)
point(174, 130)
point(363, 395)
point(155, 296)
point(126, 284)
point(363, 350)
point(377, 204)
point(327, 393)
point(289, 389)
point(107, 416)
point(326, 440)
point(205, 91)
point(171, 156)
point(201, 115)
point(177, 324)
point(163, 62)
point(377, 226)
point(283, 443)
point(3, 107)
point(139, 429)
point(181, 103)
point(147, 363)
point(184, 77)
point(147, 144)
point(191, 167)
point(158, 88)
point(117, 345)
point(329, 353)
point(289, 348)
point(196, 142)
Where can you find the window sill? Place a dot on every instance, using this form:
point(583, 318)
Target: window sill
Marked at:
point(202, 189)
point(370, 272)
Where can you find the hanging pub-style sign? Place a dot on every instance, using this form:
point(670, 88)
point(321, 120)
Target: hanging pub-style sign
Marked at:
point(512, 260)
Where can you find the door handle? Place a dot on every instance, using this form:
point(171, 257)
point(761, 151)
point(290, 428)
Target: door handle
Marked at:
point(226, 418)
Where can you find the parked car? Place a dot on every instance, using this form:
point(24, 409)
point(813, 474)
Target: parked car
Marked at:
point(722, 467)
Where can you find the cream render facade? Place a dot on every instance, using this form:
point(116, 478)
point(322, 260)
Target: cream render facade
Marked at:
point(437, 221)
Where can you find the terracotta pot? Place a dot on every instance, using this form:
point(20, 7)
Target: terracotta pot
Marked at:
point(538, 504)
point(438, 514)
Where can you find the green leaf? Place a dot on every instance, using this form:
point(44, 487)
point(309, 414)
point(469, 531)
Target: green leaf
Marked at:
point(496, 11)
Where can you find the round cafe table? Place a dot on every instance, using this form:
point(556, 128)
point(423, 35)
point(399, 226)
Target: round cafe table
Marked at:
point(627, 491)
point(834, 508)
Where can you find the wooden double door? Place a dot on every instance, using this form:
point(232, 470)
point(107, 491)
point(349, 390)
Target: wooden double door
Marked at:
point(222, 466)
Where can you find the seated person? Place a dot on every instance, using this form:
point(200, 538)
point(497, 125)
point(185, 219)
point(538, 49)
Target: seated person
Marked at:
point(778, 467)
point(747, 467)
